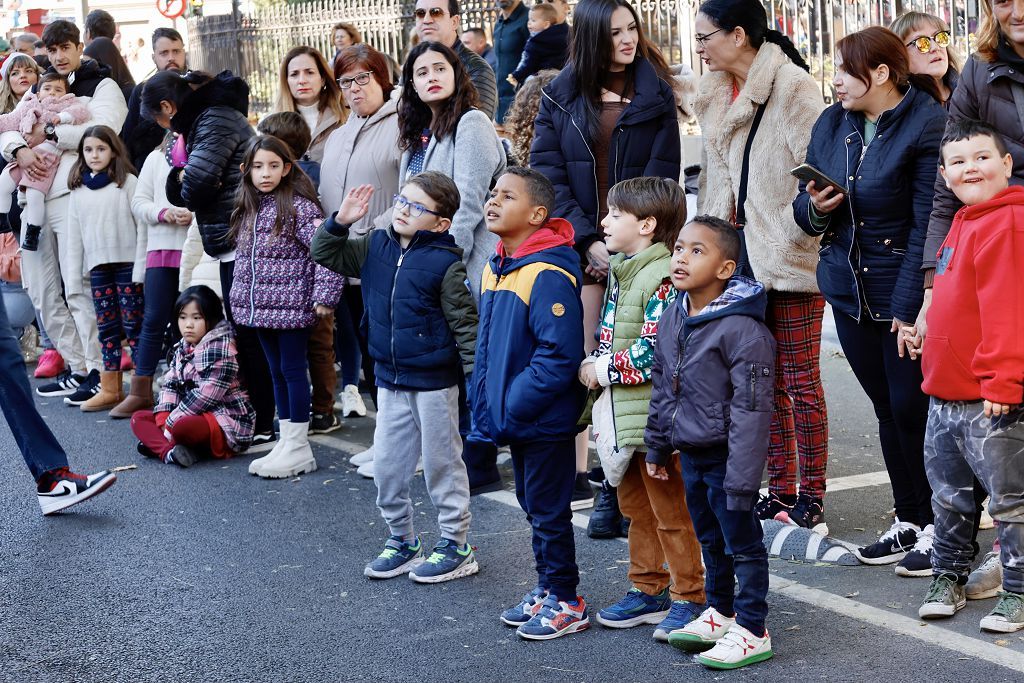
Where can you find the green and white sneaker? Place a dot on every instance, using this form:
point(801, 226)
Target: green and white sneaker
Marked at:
point(447, 561)
point(1007, 616)
point(945, 598)
point(703, 632)
point(398, 557)
point(738, 647)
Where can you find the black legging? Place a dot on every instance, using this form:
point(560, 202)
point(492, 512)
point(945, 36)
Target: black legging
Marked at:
point(251, 360)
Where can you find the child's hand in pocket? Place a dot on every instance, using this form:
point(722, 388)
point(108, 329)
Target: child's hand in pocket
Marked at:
point(655, 471)
point(355, 205)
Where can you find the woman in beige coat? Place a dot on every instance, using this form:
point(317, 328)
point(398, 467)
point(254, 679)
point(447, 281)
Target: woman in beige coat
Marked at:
point(750, 66)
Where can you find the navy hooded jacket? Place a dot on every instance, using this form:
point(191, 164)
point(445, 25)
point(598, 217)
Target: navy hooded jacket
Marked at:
point(645, 143)
point(874, 241)
point(713, 384)
point(547, 49)
point(530, 341)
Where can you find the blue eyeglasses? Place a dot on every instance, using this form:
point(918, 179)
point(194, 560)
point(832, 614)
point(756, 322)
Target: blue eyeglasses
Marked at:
point(415, 208)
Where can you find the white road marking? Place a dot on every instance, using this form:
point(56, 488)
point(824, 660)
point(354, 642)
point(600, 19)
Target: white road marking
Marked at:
point(854, 481)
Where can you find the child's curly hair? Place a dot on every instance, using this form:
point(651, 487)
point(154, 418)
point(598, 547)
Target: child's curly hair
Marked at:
point(521, 115)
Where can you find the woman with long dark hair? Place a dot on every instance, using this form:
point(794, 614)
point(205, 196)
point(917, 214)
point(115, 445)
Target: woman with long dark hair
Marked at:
point(755, 73)
point(210, 114)
point(881, 140)
point(609, 116)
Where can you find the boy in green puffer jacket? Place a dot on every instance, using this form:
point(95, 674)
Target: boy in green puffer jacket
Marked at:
point(644, 217)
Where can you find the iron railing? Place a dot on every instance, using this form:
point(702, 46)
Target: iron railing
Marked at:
point(252, 45)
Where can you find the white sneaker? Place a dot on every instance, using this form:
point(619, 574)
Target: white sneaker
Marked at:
point(366, 469)
point(738, 647)
point(986, 521)
point(351, 402)
point(362, 457)
point(295, 458)
point(987, 580)
point(701, 633)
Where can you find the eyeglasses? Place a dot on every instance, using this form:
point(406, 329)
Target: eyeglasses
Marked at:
point(701, 39)
point(924, 43)
point(435, 13)
point(359, 79)
point(415, 209)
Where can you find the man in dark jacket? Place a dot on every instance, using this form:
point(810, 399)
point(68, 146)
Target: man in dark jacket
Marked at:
point(713, 385)
point(510, 34)
point(439, 20)
point(140, 134)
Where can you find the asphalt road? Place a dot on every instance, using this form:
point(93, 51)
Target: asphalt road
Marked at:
point(210, 574)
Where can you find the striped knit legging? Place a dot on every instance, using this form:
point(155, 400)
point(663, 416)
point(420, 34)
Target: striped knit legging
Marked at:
point(799, 419)
point(119, 308)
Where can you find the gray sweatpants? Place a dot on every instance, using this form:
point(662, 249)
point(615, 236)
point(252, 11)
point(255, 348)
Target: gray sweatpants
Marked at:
point(410, 424)
point(961, 443)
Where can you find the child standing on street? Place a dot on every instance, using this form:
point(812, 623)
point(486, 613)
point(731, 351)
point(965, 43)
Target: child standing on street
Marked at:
point(973, 366)
point(644, 218)
point(713, 404)
point(203, 410)
point(279, 291)
point(422, 322)
point(102, 241)
point(524, 389)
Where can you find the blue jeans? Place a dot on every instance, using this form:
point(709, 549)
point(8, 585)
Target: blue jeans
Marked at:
point(37, 443)
point(20, 312)
point(346, 338)
point(161, 290)
point(731, 542)
point(286, 355)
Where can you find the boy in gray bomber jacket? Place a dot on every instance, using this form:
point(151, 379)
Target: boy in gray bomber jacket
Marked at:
point(711, 401)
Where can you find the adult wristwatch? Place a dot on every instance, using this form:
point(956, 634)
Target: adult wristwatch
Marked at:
point(51, 132)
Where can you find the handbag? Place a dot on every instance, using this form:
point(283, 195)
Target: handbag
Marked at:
point(10, 258)
point(743, 267)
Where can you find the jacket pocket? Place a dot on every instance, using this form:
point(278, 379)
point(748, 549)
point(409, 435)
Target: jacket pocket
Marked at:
point(941, 350)
point(761, 387)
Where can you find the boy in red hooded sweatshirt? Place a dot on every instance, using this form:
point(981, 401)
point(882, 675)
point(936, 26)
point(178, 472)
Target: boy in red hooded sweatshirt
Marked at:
point(973, 365)
point(524, 389)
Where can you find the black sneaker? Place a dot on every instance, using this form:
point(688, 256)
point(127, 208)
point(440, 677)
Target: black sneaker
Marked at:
point(145, 450)
point(891, 546)
point(182, 456)
point(918, 562)
point(606, 519)
point(808, 513)
point(30, 240)
point(324, 423)
point(63, 384)
point(86, 390)
point(264, 437)
point(61, 488)
point(596, 475)
point(772, 504)
point(582, 493)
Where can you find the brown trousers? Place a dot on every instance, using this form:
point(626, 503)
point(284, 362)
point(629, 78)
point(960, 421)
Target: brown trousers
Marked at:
point(320, 354)
point(660, 532)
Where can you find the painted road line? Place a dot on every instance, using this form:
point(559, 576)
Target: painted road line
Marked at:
point(898, 623)
point(854, 481)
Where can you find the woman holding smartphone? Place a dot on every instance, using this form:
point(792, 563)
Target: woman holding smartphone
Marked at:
point(882, 139)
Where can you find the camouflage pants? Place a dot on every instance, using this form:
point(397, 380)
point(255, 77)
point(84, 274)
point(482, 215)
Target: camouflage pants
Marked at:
point(961, 443)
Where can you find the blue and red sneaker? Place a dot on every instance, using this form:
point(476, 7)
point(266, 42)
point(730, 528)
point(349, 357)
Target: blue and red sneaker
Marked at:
point(556, 618)
point(527, 607)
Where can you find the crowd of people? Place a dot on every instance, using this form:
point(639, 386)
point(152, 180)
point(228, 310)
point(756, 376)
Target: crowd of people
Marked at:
point(495, 244)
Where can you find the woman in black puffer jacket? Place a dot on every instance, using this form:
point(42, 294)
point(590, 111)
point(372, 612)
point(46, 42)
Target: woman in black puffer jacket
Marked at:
point(210, 112)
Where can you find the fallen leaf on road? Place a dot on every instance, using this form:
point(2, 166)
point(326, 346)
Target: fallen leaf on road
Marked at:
point(853, 594)
point(793, 628)
point(327, 481)
point(124, 468)
point(1002, 643)
point(857, 528)
point(893, 605)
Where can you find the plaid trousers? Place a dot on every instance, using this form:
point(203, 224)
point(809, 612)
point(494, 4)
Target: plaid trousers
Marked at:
point(799, 417)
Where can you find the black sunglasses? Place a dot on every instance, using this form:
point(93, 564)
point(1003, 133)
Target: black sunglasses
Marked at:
point(435, 13)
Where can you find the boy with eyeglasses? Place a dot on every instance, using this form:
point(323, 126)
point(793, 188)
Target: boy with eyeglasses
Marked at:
point(422, 325)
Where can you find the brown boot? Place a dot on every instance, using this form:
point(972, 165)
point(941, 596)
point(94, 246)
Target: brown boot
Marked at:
point(110, 394)
point(140, 397)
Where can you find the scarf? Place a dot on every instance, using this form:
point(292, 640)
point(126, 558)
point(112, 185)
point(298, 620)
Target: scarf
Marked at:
point(96, 181)
point(1007, 54)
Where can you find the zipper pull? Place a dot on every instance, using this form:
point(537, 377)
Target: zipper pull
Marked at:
point(675, 383)
point(401, 258)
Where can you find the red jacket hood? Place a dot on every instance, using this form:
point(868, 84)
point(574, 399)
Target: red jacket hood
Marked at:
point(1014, 194)
point(556, 232)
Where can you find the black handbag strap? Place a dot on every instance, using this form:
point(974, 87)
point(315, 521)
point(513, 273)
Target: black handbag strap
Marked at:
point(741, 196)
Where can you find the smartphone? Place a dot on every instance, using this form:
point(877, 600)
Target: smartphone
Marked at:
point(807, 173)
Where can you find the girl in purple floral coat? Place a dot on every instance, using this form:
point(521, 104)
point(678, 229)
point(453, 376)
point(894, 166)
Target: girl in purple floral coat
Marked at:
point(279, 291)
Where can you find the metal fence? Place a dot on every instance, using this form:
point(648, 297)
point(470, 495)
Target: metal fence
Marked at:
point(252, 45)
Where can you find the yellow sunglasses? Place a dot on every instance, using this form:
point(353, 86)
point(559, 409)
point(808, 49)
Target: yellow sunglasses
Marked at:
point(924, 43)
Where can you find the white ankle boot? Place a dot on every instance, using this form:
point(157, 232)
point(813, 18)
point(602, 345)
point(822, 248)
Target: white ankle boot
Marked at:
point(256, 464)
point(295, 458)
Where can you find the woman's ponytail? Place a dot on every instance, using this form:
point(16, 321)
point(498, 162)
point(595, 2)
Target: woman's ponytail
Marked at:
point(783, 41)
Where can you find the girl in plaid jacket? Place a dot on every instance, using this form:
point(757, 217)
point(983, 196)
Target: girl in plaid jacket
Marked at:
point(202, 410)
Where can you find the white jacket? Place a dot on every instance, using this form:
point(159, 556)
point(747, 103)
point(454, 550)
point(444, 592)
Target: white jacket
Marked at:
point(100, 230)
point(108, 108)
point(198, 267)
point(149, 200)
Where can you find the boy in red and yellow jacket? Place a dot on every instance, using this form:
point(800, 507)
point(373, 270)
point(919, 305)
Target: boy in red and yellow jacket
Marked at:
point(973, 365)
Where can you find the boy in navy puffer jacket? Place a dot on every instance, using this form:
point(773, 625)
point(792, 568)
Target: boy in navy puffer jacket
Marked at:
point(422, 322)
point(713, 378)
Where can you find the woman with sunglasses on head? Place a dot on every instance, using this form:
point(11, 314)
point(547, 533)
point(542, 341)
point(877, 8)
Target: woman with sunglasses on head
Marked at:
point(929, 49)
point(751, 71)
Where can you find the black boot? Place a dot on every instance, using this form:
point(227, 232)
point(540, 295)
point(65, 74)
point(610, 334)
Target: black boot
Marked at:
point(5, 224)
point(30, 241)
point(605, 520)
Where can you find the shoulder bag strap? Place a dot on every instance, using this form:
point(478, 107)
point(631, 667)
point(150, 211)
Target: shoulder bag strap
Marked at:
point(741, 197)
